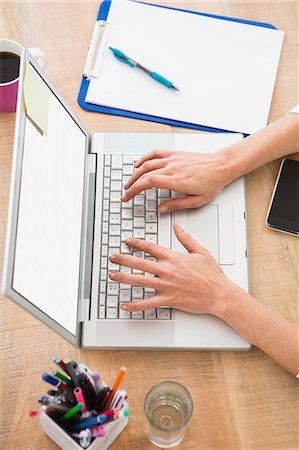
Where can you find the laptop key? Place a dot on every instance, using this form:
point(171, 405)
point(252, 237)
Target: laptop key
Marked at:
point(150, 314)
point(137, 315)
point(102, 299)
point(127, 213)
point(127, 225)
point(114, 230)
point(130, 159)
point(151, 216)
point(163, 313)
point(115, 207)
point(116, 162)
point(107, 160)
point(124, 314)
point(137, 292)
point(112, 289)
point(153, 238)
point(112, 301)
point(128, 169)
point(139, 211)
point(139, 233)
point(125, 295)
point(111, 313)
point(116, 174)
point(102, 311)
point(150, 205)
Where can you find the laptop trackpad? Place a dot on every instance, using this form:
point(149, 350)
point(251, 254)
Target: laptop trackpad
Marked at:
point(202, 225)
point(213, 227)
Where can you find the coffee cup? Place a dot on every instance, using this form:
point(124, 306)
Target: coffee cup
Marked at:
point(10, 54)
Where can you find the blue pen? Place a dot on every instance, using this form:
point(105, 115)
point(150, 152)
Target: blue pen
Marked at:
point(120, 56)
point(98, 420)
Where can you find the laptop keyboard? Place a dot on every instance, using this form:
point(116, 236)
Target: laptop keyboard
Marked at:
point(136, 218)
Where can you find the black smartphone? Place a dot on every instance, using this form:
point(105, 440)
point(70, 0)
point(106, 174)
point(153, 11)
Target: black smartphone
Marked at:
point(283, 213)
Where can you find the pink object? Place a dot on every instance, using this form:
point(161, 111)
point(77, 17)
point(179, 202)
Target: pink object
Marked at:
point(98, 431)
point(79, 397)
point(9, 91)
point(8, 96)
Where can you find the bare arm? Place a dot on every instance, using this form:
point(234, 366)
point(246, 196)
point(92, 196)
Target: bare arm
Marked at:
point(202, 176)
point(210, 292)
point(262, 327)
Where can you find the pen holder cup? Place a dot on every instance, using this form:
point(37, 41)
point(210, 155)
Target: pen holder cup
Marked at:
point(66, 442)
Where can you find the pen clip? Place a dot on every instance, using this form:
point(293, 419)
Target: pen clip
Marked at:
point(124, 59)
point(96, 49)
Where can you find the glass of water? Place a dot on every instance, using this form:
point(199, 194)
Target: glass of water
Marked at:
point(168, 408)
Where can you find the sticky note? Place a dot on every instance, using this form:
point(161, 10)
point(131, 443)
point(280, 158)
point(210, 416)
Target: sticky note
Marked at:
point(36, 98)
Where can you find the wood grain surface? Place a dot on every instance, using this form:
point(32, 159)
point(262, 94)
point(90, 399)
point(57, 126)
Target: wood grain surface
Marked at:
point(242, 400)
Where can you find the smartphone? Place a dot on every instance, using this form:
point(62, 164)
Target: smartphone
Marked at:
point(283, 212)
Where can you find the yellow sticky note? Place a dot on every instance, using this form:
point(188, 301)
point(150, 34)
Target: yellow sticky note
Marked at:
point(36, 98)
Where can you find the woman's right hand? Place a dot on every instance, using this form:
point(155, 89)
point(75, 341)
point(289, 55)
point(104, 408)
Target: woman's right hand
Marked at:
point(200, 176)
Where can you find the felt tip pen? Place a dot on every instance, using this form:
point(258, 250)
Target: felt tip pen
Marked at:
point(80, 398)
point(59, 363)
point(120, 56)
point(53, 405)
point(116, 385)
point(51, 380)
point(63, 378)
point(72, 411)
point(100, 419)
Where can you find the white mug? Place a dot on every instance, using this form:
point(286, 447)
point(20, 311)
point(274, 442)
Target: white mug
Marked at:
point(9, 89)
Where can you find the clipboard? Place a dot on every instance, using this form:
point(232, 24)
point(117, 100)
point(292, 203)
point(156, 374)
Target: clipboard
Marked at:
point(103, 15)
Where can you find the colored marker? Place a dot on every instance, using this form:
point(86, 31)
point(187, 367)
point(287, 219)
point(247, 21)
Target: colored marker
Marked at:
point(116, 385)
point(51, 380)
point(63, 378)
point(72, 411)
point(59, 363)
point(100, 419)
point(80, 398)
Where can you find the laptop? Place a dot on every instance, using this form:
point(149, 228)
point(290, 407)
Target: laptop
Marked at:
point(65, 219)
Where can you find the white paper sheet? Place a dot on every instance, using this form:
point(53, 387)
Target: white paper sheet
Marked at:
point(225, 70)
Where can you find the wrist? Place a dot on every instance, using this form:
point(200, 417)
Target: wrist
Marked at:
point(229, 301)
point(234, 162)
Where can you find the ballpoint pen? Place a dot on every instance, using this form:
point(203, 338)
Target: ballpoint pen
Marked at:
point(120, 56)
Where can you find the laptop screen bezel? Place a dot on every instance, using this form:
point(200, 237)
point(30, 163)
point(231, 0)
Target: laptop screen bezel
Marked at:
point(12, 225)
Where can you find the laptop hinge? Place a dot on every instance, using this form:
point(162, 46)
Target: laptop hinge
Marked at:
point(83, 312)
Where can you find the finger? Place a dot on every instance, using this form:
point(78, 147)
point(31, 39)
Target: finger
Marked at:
point(188, 242)
point(189, 201)
point(148, 181)
point(135, 280)
point(155, 154)
point(157, 251)
point(143, 305)
point(136, 263)
point(148, 166)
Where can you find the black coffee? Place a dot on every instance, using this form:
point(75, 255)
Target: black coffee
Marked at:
point(9, 66)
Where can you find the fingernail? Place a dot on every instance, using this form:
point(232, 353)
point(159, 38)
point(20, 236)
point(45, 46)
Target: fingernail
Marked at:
point(123, 197)
point(124, 306)
point(112, 257)
point(112, 275)
point(178, 226)
point(163, 209)
point(128, 241)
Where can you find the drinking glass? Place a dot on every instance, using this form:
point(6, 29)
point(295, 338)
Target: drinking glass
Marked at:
point(168, 407)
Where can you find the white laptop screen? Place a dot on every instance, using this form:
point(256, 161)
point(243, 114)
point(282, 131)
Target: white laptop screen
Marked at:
point(48, 235)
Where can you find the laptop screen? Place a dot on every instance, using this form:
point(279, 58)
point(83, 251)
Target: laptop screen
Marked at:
point(46, 268)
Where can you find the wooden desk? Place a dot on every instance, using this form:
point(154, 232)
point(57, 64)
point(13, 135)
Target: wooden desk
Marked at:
point(242, 400)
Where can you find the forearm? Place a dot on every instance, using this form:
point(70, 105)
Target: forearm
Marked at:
point(275, 141)
point(262, 327)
